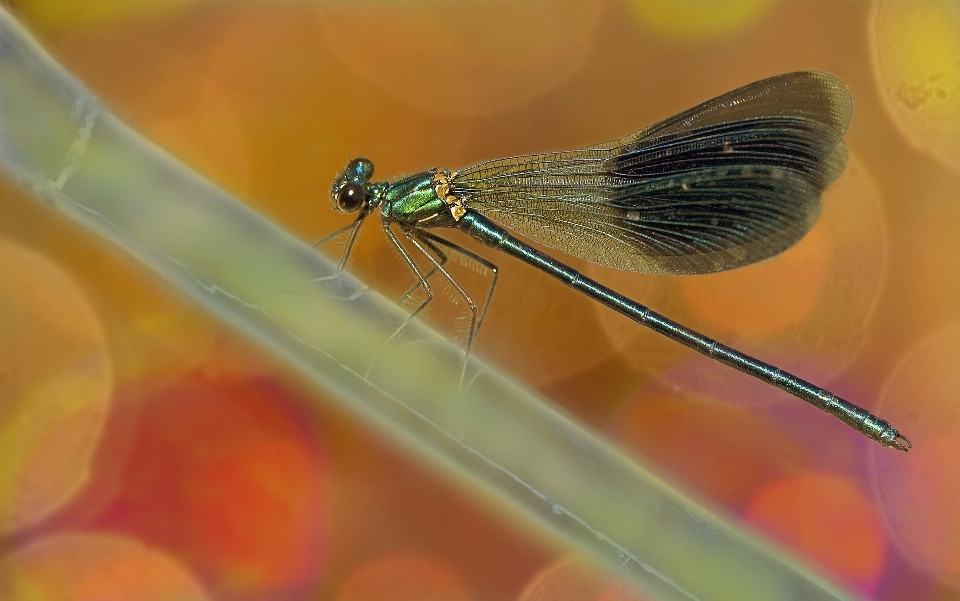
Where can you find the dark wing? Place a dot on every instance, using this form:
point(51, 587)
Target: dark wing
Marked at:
point(727, 183)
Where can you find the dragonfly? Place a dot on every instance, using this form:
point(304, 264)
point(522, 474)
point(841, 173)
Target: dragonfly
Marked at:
point(730, 182)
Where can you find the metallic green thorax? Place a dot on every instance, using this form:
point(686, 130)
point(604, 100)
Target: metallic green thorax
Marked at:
point(413, 201)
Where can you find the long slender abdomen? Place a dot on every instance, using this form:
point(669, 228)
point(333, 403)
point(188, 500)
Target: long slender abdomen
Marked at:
point(856, 417)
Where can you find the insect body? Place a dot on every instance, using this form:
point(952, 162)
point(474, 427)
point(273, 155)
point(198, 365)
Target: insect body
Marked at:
point(730, 182)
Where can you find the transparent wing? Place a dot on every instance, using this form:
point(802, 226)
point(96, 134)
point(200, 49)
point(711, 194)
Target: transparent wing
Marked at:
point(727, 183)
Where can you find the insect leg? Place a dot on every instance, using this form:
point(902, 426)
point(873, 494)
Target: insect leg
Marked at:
point(346, 252)
point(421, 280)
point(443, 260)
point(354, 229)
point(420, 239)
point(489, 265)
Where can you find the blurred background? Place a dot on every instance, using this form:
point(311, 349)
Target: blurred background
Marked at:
point(148, 452)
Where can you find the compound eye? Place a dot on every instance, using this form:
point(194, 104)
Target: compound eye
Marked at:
point(362, 168)
point(351, 197)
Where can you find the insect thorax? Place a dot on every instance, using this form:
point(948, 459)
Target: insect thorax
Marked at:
point(423, 200)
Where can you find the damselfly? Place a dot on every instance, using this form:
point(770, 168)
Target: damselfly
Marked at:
point(730, 182)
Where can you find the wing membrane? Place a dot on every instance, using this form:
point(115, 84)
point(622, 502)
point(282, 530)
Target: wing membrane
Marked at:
point(727, 183)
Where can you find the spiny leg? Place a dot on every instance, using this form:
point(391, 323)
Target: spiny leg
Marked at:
point(421, 281)
point(443, 260)
point(353, 237)
point(494, 270)
point(414, 238)
point(431, 240)
point(354, 228)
